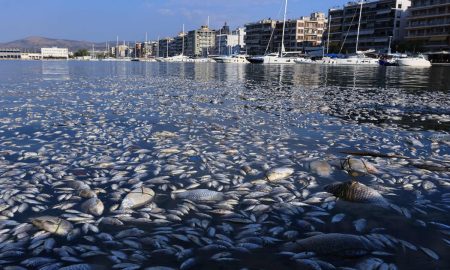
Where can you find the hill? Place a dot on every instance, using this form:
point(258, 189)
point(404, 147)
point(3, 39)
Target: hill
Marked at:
point(36, 43)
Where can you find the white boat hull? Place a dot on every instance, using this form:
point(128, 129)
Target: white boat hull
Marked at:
point(303, 61)
point(237, 59)
point(269, 59)
point(413, 62)
point(360, 61)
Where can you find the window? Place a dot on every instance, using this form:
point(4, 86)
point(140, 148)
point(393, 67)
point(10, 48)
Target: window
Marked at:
point(399, 5)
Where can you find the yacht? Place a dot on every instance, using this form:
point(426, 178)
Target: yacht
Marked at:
point(413, 61)
point(358, 59)
point(272, 58)
point(176, 58)
point(303, 60)
point(237, 58)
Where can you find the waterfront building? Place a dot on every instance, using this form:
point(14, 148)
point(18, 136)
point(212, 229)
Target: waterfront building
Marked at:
point(258, 36)
point(122, 51)
point(265, 36)
point(301, 33)
point(149, 49)
point(382, 22)
point(429, 25)
point(177, 47)
point(55, 53)
point(152, 49)
point(30, 56)
point(229, 42)
point(112, 51)
point(165, 47)
point(139, 49)
point(200, 42)
point(9, 53)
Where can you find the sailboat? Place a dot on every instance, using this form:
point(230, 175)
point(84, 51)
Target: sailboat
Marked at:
point(359, 58)
point(177, 58)
point(276, 58)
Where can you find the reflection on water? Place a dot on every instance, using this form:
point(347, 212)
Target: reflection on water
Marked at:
point(306, 75)
point(435, 78)
point(55, 70)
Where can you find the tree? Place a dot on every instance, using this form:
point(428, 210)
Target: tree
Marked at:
point(81, 52)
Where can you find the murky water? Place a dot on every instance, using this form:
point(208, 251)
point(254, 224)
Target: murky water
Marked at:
point(232, 154)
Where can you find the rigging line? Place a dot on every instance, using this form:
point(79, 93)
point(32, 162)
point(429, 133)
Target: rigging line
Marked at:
point(348, 30)
point(273, 30)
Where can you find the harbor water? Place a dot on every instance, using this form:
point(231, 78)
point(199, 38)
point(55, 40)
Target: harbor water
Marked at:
point(140, 165)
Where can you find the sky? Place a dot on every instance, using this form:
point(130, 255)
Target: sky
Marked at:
point(102, 20)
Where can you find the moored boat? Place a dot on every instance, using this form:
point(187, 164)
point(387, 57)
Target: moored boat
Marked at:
point(238, 58)
point(414, 61)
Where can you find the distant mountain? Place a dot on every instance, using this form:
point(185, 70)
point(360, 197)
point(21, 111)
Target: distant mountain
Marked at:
point(36, 43)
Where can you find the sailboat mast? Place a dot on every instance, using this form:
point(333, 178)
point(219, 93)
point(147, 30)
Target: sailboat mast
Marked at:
point(284, 26)
point(182, 45)
point(359, 25)
point(328, 32)
point(157, 48)
point(220, 39)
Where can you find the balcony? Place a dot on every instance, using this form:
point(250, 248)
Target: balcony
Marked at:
point(428, 16)
point(425, 24)
point(428, 5)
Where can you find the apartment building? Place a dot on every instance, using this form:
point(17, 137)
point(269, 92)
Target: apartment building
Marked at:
point(258, 37)
point(229, 42)
point(301, 33)
point(382, 22)
point(265, 36)
point(122, 51)
point(429, 25)
point(177, 47)
point(200, 42)
point(165, 47)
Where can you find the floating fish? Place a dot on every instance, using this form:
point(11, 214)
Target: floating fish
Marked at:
point(277, 174)
point(356, 192)
point(137, 198)
point(320, 167)
point(334, 243)
point(93, 206)
point(52, 224)
point(198, 195)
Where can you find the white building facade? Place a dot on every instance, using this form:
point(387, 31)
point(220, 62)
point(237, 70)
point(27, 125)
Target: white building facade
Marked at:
point(230, 43)
point(55, 53)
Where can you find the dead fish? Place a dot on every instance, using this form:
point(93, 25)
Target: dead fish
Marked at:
point(430, 253)
point(440, 138)
point(430, 167)
point(198, 195)
point(320, 167)
point(277, 174)
point(337, 218)
point(93, 206)
point(355, 191)
point(371, 154)
point(357, 167)
point(137, 197)
point(334, 243)
point(52, 224)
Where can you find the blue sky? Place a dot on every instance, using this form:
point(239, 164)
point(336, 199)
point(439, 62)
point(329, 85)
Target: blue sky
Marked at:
point(100, 20)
